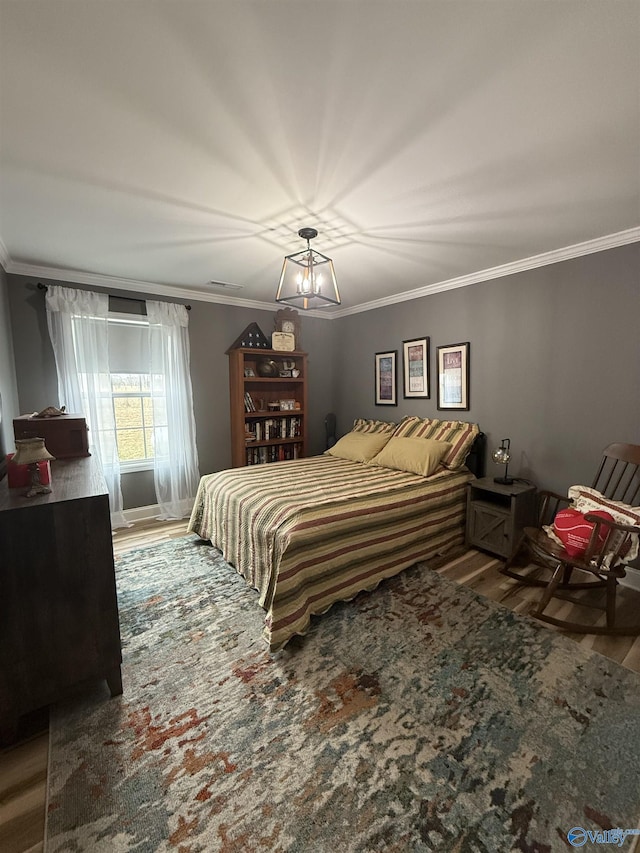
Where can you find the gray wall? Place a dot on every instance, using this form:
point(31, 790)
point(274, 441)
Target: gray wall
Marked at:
point(555, 364)
point(554, 356)
point(212, 329)
point(8, 386)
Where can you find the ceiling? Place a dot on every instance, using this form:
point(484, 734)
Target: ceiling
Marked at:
point(178, 142)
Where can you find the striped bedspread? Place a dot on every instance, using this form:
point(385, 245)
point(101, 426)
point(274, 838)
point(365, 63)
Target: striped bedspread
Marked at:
point(310, 532)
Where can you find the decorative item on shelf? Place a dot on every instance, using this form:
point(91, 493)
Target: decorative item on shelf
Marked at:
point(50, 412)
point(501, 456)
point(287, 405)
point(252, 338)
point(308, 278)
point(287, 368)
point(283, 342)
point(286, 322)
point(274, 406)
point(267, 368)
point(31, 451)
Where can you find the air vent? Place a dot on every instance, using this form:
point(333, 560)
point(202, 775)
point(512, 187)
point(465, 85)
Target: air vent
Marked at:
point(225, 285)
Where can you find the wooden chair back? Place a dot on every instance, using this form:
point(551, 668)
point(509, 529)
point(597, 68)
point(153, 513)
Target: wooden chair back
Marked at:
point(618, 477)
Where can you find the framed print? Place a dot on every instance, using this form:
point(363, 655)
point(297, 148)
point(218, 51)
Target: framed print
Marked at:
point(386, 371)
point(453, 376)
point(415, 368)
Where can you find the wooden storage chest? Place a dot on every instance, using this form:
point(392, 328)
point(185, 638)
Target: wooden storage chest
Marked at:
point(65, 436)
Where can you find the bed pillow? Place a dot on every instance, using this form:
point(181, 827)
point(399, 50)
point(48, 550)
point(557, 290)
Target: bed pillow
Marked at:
point(414, 455)
point(460, 435)
point(365, 425)
point(359, 446)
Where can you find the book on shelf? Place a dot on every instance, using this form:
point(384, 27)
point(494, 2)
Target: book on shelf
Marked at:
point(249, 405)
point(275, 453)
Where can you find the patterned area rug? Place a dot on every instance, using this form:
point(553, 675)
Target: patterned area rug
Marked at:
point(419, 717)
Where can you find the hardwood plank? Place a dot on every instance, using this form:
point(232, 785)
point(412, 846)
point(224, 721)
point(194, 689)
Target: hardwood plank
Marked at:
point(632, 658)
point(23, 765)
point(22, 818)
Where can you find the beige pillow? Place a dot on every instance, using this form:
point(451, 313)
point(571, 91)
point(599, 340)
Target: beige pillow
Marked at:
point(414, 455)
point(459, 434)
point(359, 446)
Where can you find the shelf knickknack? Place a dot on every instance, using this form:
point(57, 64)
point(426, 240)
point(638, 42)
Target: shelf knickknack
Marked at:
point(252, 338)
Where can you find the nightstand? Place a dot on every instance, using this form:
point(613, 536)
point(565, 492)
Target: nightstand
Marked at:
point(496, 515)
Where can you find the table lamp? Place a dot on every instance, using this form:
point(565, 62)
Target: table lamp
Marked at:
point(501, 456)
point(30, 451)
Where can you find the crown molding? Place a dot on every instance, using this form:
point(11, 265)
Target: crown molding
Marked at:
point(137, 286)
point(600, 244)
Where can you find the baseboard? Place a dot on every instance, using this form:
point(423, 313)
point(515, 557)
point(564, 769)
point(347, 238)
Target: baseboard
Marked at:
point(142, 513)
point(632, 579)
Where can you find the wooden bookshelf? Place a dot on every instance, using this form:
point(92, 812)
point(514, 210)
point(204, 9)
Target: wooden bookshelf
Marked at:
point(268, 413)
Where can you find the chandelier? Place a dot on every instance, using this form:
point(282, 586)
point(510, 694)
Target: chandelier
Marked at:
point(308, 278)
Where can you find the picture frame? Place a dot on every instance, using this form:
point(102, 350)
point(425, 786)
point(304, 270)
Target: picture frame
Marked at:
point(415, 369)
point(386, 370)
point(248, 371)
point(453, 376)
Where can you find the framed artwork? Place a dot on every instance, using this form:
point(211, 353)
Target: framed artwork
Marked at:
point(386, 378)
point(415, 368)
point(453, 376)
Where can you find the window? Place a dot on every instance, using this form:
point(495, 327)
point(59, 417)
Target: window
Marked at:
point(133, 411)
point(136, 396)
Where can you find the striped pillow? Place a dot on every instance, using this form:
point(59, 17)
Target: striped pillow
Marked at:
point(459, 434)
point(364, 425)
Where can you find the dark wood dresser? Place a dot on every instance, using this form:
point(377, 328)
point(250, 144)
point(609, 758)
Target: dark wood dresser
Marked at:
point(59, 622)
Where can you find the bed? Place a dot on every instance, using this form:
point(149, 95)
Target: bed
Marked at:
point(309, 532)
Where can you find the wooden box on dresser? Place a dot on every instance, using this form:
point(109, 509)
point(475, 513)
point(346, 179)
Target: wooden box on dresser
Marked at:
point(261, 430)
point(59, 622)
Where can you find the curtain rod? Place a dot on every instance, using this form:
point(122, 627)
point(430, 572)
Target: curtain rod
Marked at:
point(42, 286)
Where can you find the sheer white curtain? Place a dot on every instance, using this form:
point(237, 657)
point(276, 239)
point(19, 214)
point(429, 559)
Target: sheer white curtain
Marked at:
point(77, 321)
point(176, 474)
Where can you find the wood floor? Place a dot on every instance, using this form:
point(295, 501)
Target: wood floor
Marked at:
point(23, 767)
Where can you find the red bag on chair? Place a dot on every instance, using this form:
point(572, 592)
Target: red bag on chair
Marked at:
point(574, 532)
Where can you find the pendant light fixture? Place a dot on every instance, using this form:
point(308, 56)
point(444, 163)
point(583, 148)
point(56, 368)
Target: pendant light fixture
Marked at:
point(308, 278)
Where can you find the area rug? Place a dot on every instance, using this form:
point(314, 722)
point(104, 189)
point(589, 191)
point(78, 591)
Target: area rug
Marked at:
point(418, 717)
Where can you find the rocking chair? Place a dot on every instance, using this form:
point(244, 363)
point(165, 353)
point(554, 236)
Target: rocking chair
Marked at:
point(618, 484)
